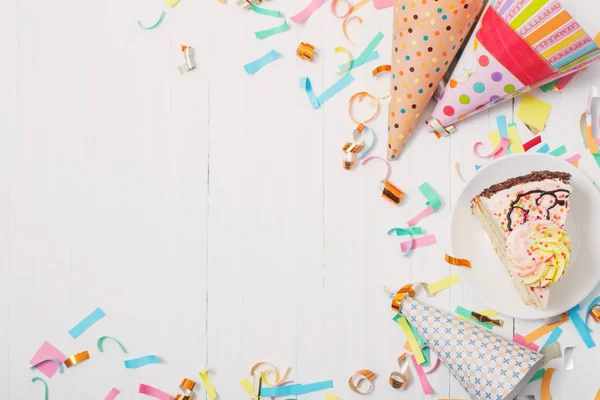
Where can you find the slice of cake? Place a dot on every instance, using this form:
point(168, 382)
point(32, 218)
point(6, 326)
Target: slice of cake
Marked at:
point(524, 218)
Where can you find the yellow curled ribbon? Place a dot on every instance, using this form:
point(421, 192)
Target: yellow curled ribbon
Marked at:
point(77, 358)
point(279, 379)
point(360, 376)
point(400, 379)
point(347, 52)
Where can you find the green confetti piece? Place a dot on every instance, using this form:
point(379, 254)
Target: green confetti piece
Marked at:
point(264, 11)
point(538, 375)
point(272, 31)
point(433, 199)
point(406, 231)
point(559, 152)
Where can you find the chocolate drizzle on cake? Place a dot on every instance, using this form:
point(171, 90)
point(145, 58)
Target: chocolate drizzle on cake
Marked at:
point(514, 205)
point(536, 176)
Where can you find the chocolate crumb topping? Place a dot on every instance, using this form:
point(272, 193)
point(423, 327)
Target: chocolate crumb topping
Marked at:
point(536, 176)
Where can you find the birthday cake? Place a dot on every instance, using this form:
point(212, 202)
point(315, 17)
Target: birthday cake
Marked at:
point(524, 217)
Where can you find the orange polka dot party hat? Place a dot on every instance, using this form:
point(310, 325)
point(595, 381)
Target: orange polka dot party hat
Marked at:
point(428, 34)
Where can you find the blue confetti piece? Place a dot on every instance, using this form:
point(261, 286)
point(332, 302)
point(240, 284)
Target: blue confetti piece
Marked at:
point(141, 361)
point(553, 336)
point(581, 328)
point(259, 63)
point(503, 129)
point(373, 56)
point(86, 323)
point(544, 149)
point(478, 167)
point(317, 102)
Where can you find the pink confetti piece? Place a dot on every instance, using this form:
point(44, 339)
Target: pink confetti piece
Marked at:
point(419, 242)
point(154, 392)
point(383, 3)
point(112, 394)
point(497, 152)
point(574, 159)
point(422, 377)
point(521, 340)
point(47, 352)
point(415, 220)
point(307, 12)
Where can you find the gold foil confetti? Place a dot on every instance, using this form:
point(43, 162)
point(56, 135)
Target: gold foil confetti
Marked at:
point(391, 193)
point(77, 358)
point(459, 262)
point(187, 387)
point(569, 358)
point(486, 320)
point(346, 23)
point(551, 352)
point(399, 296)
point(360, 376)
point(382, 68)
point(306, 51)
point(272, 369)
point(400, 379)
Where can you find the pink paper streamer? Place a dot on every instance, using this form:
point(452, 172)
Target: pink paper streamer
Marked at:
point(383, 3)
point(387, 164)
point(435, 364)
point(573, 159)
point(112, 394)
point(47, 350)
point(415, 220)
point(598, 141)
point(422, 377)
point(419, 242)
point(307, 12)
point(497, 152)
point(521, 340)
point(154, 392)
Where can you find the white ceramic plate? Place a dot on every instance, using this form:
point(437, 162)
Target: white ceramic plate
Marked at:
point(488, 279)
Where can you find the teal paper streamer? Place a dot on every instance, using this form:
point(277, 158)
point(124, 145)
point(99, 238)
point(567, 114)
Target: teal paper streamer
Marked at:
point(312, 97)
point(273, 31)
point(544, 149)
point(422, 343)
point(294, 390)
point(467, 314)
point(162, 15)
point(369, 49)
point(103, 338)
point(433, 199)
point(538, 375)
point(558, 152)
point(264, 11)
point(86, 323)
point(317, 102)
point(597, 159)
point(581, 328)
point(503, 129)
point(254, 66)
point(37, 379)
point(141, 361)
point(373, 56)
point(553, 336)
point(406, 231)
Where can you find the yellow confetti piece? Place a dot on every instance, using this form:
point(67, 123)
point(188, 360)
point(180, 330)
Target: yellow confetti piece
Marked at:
point(412, 340)
point(171, 3)
point(247, 386)
point(331, 396)
point(494, 137)
point(208, 386)
point(487, 313)
point(435, 287)
point(516, 146)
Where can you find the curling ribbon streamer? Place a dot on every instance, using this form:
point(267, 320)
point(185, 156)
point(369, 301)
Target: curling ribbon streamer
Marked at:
point(37, 379)
point(554, 336)
point(54, 360)
point(188, 58)
point(424, 241)
point(77, 358)
point(363, 375)
point(422, 377)
point(358, 5)
point(412, 340)
point(544, 329)
point(503, 130)
point(272, 31)
point(593, 310)
point(317, 102)
point(347, 52)
point(333, 8)
point(371, 57)
point(141, 361)
point(546, 379)
point(457, 169)
point(114, 392)
point(400, 379)
point(533, 142)
point(442, 284)
point(306, 51)
point(208, 385)
point(521, 340)
point(101, 340)
point(581, 328)
point(458, 262)
point(154, 392)
point(264, 11)
point(86, 323)
point(259, 63)
point(382, 68)
point(433, 203)
point(389, 170)
point(485, 319)
point(307, 12)
point(344, 27)
point(294, 390)
point(360, 96)
point(497, 152)
point(272, 369)
point(162, 15)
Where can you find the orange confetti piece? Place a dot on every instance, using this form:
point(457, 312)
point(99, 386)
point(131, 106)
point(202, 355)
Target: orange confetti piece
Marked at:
point(546, 383)
point(544, 329)
point(382, 68)
point(459, 262)
point(360, 96)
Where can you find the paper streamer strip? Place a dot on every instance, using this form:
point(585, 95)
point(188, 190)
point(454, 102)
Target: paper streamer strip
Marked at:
point(459, 262)
point(559, 151)
point(533, 142)
point(422, 377)
point(317, 102)
point(54, 360)
point(417, 243)
point(154, 392)
point(264, 11)
point(442, 284)
point(369, 49)
point(497, 152)
point(554, 336)
point(581, 328)
point(141, 361)
point(363, 375)
point(37, 379)
point(344, 27)
point(77, 358)
point(537, 375)
point(259, 63)
point(371, 57)
point(334, 7)
point(569, 358)
point(544, 149)
point(279, 379)
point(112, 394)
point(546, 384)
point(358, 5)
point(516, 146)
point(101, 340)
point(383, 3)
point(331, 396)
point(272, 31)
point(412, 340)
point(406, 231)
point(208, 385)
point(544, 329)
point(503, 130)
point(247, 386)
point(574, 159)
point(597, 395)
point(162, 15)
point(295, 390)
point(303, 15)
point(521, 340)
point(360, 96)
point(433, 203)
point(463, 312)
point(86, 323)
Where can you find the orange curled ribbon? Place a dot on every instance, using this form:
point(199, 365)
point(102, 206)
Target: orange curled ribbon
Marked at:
point(399, 379)
point(334, 8)
point(77, 358)
point(346, 23)
point(306, 51)
point(360, 376)
point(399, 296)
point(360, 96)
point(279, 379)
point(381, 68)
point(187, 387)
point(458, 262)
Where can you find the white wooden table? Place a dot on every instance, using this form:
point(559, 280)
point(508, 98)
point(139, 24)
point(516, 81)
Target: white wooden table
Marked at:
point(208, 213)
